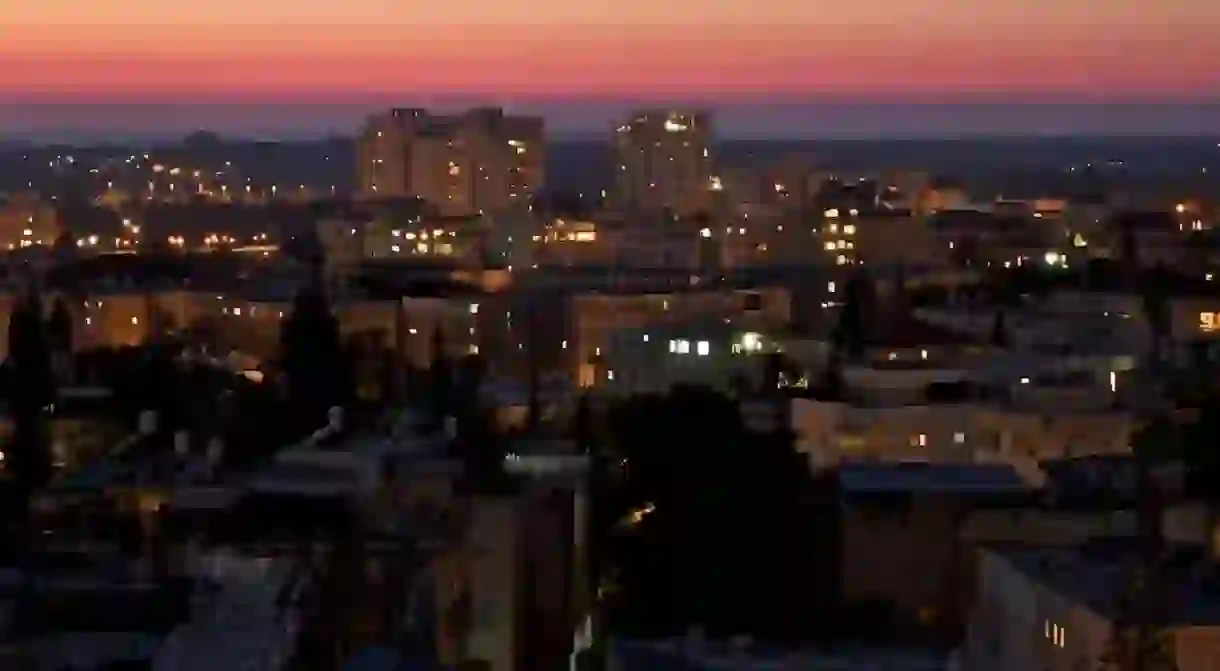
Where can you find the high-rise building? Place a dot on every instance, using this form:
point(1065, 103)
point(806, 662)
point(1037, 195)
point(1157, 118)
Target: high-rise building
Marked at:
point(664, 161)
point(481, 160)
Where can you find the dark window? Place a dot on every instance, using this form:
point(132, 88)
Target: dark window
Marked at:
point(752, 301)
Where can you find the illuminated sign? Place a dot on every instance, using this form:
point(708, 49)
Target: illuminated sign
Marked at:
point(1209, 322)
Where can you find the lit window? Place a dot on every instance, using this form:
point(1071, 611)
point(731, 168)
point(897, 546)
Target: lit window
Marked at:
point(923, 440)
point(706, 233)
point(959, 438)
point(1209, 322)
point(703, 348)
point(645, 337)
point(135, 320)
point(474, 308)
point(830, 287)
point(610, 375)
point(682, 346)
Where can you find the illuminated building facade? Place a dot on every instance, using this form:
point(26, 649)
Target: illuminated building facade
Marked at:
point(27, 222)
point(663, 162)
point(480, 161)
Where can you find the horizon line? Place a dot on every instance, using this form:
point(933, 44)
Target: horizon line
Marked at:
point(99, 139)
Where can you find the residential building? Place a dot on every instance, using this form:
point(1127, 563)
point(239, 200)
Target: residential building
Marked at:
point(908, 536)
point(1056, 609)
point(26, 221)
point(479, 161)
point(663, 162)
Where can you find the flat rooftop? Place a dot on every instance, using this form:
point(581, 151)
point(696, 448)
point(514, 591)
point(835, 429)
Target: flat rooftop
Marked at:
point(948, 478)
point(1097, 576)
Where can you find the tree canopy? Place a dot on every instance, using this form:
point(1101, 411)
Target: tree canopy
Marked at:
point(698, 520)
point(31, 392)
point(315, 373)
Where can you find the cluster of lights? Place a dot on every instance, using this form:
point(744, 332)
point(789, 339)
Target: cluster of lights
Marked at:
point(213, 239)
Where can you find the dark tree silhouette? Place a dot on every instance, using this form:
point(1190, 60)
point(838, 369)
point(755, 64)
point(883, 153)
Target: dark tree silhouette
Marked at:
point(1154, 303)
point(315, 374)
point(999, 330)
point(847, 338)
point(706, 523)
point(31, 393)
point(59, 327)
point(305, 248)
point(1140, 641)
point(832, 386)
point(595, 487)
point(440, 378)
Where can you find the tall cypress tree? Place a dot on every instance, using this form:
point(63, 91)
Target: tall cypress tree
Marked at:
point(31, 394)
point(59, 337)
point(848, 335)
point(311, 351)
point(441, 379)
point(999, 330)
point(595, 487)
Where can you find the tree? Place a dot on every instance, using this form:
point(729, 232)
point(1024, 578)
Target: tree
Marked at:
point(999, 330)
point(59, 327)
point(595, 486)
point(311, 349)
point(305, 248)
point(59, 339)
point(706, 523)
point(441, 379)
point(847, 338)
point(1154, 303)
point(31, 393)
point(1140, 641)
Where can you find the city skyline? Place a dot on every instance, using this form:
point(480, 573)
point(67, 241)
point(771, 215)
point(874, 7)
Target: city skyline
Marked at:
point(580, 62)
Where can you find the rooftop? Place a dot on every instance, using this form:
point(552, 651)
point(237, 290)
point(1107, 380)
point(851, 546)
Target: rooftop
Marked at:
point(1096, 576)
point(949, 478)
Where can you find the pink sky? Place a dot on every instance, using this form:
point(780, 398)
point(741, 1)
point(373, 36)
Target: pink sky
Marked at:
point(240, 50)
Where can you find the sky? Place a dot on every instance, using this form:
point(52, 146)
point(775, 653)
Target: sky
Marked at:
point(245, 65)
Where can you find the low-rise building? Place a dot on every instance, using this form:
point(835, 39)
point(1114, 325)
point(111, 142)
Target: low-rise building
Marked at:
point(1056, 609)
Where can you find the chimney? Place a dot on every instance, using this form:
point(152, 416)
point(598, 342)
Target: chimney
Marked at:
point(147, 423)
point(695, 642)
point(334, 420)
point(182, 444)
point(215, 454)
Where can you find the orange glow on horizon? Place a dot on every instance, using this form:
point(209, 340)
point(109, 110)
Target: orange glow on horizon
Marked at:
point(831, 51)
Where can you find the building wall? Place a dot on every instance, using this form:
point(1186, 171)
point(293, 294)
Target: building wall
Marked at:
point(1196, 648)
point(924, 559)
point(478, 161)
point(596, 317)
point(1018, 625)
point(494, 553)
point(26, 221)
point(831, 432)
point(663, 161)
